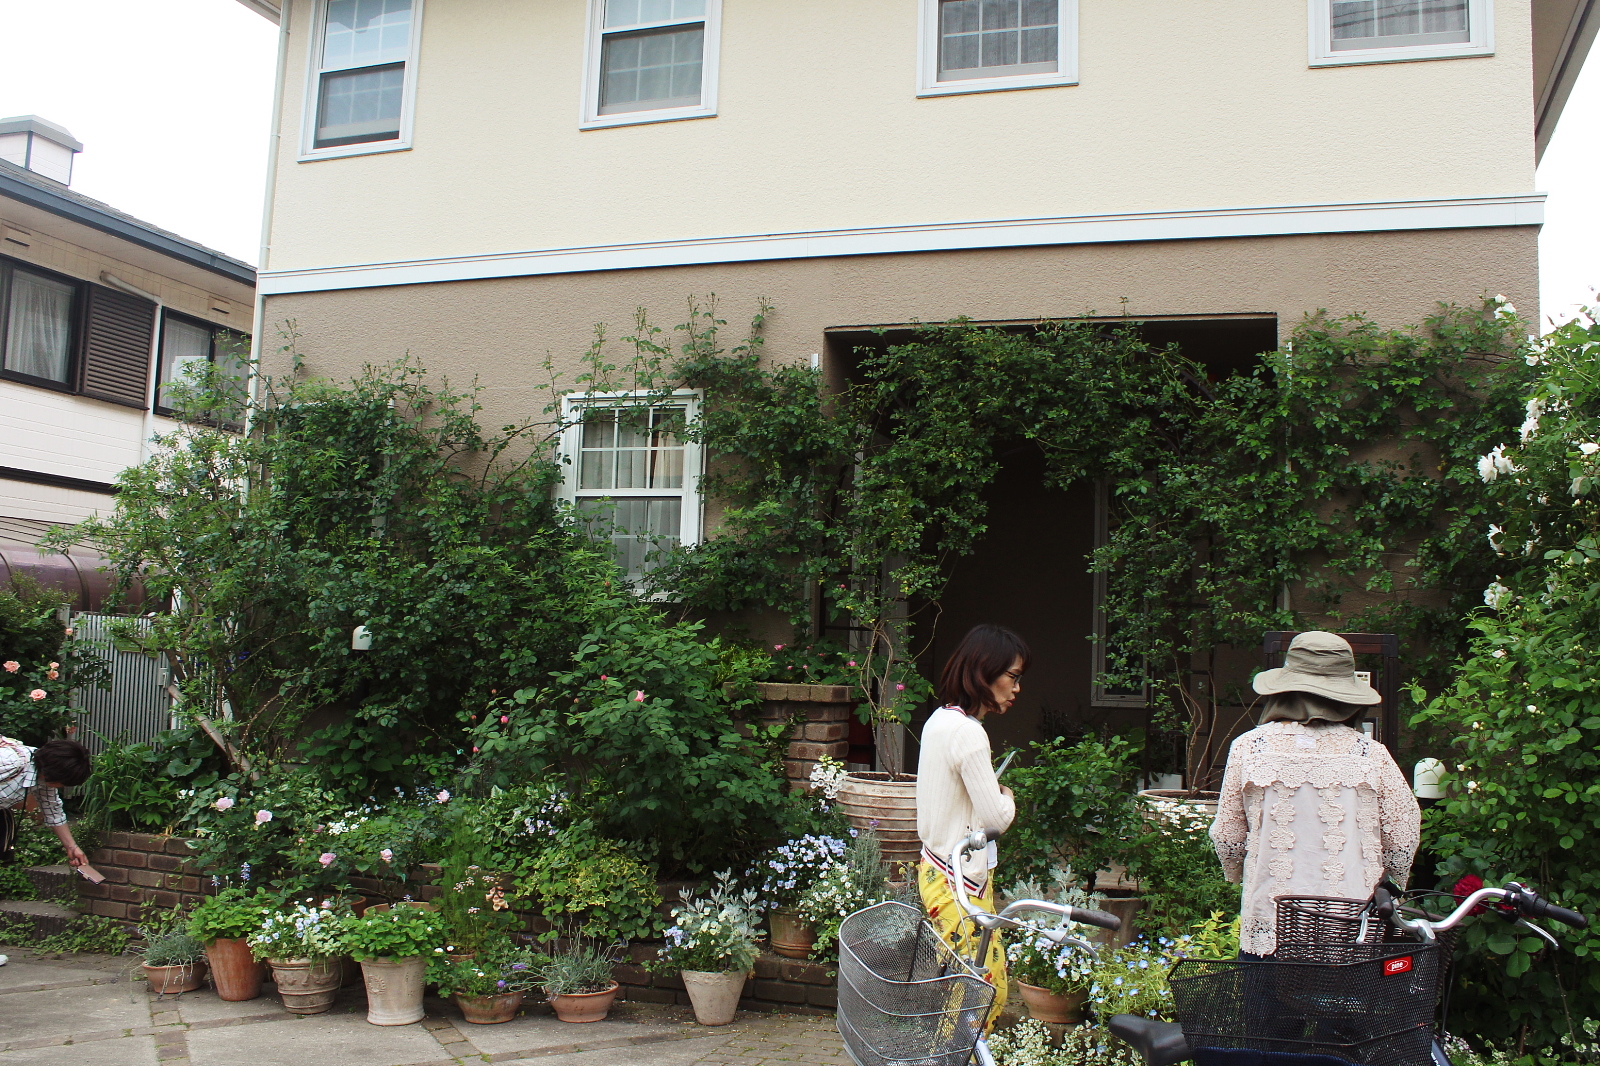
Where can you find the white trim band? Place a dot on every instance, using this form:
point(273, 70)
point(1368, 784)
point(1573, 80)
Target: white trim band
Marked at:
point(1465, 213)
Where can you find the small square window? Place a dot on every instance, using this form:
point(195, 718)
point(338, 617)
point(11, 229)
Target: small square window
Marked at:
point(1386, 31)
point(363, 76)
point(983, 45)
point(651, 60)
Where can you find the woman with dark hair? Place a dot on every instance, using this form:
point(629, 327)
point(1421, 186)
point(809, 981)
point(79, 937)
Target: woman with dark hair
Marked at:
point(957, 791)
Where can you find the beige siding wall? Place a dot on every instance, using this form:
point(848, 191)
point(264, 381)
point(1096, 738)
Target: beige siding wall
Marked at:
point(499, 331)
point(1181, 106)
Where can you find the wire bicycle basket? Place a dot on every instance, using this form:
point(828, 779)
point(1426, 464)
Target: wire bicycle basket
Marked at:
point(905, 998)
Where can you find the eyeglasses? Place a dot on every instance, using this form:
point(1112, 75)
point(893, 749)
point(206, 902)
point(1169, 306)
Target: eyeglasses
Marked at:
point(1015, 675)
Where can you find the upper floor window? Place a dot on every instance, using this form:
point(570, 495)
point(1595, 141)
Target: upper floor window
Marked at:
point(1386, 31)
point(982, 45)
point(651, 60)
point(37, 312)
point(363, 76)
point(187, 346)
point(631, 476)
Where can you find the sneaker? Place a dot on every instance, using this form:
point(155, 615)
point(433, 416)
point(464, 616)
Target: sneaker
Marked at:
point(4, 959)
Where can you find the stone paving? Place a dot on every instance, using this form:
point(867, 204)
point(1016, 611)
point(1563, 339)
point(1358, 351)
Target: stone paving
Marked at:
point(96, 1010)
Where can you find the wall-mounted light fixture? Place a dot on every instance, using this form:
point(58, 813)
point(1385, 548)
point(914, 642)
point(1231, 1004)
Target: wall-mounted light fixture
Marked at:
point(361, 639)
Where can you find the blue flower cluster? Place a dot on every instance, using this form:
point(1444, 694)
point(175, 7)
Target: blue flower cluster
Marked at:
point(783, 875)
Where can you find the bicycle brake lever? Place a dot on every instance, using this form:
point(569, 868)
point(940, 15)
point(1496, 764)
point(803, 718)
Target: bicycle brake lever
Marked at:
point(1529, 925)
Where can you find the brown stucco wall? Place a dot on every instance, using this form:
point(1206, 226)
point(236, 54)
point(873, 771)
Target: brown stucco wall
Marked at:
point(501, 329)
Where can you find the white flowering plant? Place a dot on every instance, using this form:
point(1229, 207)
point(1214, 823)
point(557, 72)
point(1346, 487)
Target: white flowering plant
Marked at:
point(309, 930)
point(1029, 1043)
point(1181, 880)
point(713, 933)
point(860, 880)
point(826, 778)
point(783, 876)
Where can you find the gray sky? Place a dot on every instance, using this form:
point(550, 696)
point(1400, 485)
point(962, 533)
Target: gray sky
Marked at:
point(171, 99)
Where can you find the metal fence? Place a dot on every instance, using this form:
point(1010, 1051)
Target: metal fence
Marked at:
point(136, 706)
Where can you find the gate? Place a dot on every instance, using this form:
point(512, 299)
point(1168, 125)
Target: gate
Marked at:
point(136, 706)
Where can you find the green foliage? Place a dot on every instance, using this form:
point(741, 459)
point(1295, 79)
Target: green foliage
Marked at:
point(176, 948)
point(43, 663)
point(1181, 880)
point(401, 932)
point(1074, 807)
point(590, 887)
point(308, 930)
point(472, 906)
point(253, 835)
point(1523, 715)
point(493, 973)
point(713, 933)
point(235, 913)
point(87, 933)
point(861, 880)
point(130, 790)
point(641, 737)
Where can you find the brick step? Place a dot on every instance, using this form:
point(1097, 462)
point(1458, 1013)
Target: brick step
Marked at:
point(45, 917)
point(53, 882)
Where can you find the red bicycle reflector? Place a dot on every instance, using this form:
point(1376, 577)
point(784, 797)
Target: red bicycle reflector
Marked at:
point(1400, 965)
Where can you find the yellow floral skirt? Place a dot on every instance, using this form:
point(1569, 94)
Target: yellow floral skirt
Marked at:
point(950, 922)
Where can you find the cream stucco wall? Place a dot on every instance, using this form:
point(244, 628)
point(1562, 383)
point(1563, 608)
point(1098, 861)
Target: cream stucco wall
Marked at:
point(1181, 106)
point(500, 331)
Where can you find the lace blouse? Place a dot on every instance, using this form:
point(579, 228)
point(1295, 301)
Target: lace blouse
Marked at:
point(1310, 811)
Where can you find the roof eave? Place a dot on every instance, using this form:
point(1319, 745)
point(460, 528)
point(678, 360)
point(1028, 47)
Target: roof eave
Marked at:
point(1574, 50)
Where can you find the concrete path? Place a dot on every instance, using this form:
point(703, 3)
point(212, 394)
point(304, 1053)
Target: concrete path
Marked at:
point(96, 1010)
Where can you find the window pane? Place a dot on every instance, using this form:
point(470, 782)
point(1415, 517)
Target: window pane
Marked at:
point(651, 69)
point(634, 12)
point(39, 327)
point(997, 38)
point(365, 33)
point(232, 358)
point(637, 528)
point(182, 344)
point(360, 106)
point(1399, 23)
point(630, 449)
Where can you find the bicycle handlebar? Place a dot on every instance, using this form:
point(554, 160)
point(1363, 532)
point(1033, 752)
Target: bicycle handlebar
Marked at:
point(1518, 898)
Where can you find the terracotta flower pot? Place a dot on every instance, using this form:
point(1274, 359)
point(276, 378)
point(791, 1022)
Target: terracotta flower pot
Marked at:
point(871, 800)
point(489, 1010)
point(715, 995)
point(792, 936)
point(234, 971)
point(308, 986)
point(394, 989)
point(1058, 1008)
point(585, 1006)
point(169, 980)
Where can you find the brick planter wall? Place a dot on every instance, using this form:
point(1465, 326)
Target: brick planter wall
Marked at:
point(151, 871)
point(821, 716)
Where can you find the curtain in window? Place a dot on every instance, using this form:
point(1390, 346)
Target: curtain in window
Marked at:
point(1397, 23)
point(39, 327)
point(182, 343)
point(998, 38)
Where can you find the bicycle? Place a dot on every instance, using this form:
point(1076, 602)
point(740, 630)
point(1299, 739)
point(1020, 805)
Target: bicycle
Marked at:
point(906, 998)
point(1366, 995)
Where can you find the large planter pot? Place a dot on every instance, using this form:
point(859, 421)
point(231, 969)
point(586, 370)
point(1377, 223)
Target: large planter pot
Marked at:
point(1205, 802)
point(715, 995)
point(169, 980)
point(394, 989)
point(792, 936)
point(1058, 1008)
point(888, 807)
point(490, 1010)
point(587, 1006)
point(308, 986)
point(234, 971)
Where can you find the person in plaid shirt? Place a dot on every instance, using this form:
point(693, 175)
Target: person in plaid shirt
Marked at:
point(30, 780)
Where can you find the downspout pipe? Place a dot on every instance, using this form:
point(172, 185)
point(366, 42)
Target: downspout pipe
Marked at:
point(147, 427)
point(258, 320)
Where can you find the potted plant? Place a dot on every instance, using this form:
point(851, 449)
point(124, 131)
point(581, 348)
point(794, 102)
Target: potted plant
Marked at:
point(393, 947)
point(222, 923)
point(1054, 980)
point(490, 991)
point(473, 908)
point(712, 945)
point(859, 880)
point(577, 980)
point(782, 877)
point(302, 947)
point(174, 961)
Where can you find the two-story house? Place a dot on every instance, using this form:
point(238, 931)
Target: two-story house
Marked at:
point(480, 184)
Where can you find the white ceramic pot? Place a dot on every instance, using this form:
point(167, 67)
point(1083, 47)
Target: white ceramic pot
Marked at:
point(394, 990)
point(715, 995)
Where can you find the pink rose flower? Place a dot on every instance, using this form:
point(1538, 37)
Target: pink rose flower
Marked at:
point(55, 666)
point(223, 803)
point(638, 697)
point(69, 632)
point(37, 694)
point(386, 855)
point(263, 817)
point(899, 687)
point(852, 662)
point(12, 666)
point(443, 796)
point(505, 719)
point(777, 647)
point(326, 858)
point(52, 675)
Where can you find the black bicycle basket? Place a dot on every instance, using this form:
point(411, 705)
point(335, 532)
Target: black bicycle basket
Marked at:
point(1361, 1003)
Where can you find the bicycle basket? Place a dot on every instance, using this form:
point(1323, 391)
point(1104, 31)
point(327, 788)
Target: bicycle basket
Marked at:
point(1363, 1003)
point(906, 999)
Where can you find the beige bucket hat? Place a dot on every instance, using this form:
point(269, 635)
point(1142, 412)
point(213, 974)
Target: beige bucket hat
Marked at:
point(1320, 663)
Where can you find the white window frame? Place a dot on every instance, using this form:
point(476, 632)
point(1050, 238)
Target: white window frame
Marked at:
point(408, 93)
point(928, 83)
point(1480, 27)
point(692, 514)
point(592, 119)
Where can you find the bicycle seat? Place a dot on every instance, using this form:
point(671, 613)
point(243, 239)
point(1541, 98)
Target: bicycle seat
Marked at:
point(1158, 1043)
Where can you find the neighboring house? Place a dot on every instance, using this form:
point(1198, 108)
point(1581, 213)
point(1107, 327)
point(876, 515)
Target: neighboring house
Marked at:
point(478, 184)
point(99, 312)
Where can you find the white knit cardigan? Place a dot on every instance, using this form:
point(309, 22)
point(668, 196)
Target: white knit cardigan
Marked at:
point(957, 791)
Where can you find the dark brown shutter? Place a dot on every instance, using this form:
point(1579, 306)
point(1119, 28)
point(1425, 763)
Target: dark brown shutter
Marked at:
point(116, 347)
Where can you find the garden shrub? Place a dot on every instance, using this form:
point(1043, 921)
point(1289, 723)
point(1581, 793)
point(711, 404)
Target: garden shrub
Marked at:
point(1075, 808)
point(1181, 882)
point(42, 663)
point(592, 888)
point(129, 789)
